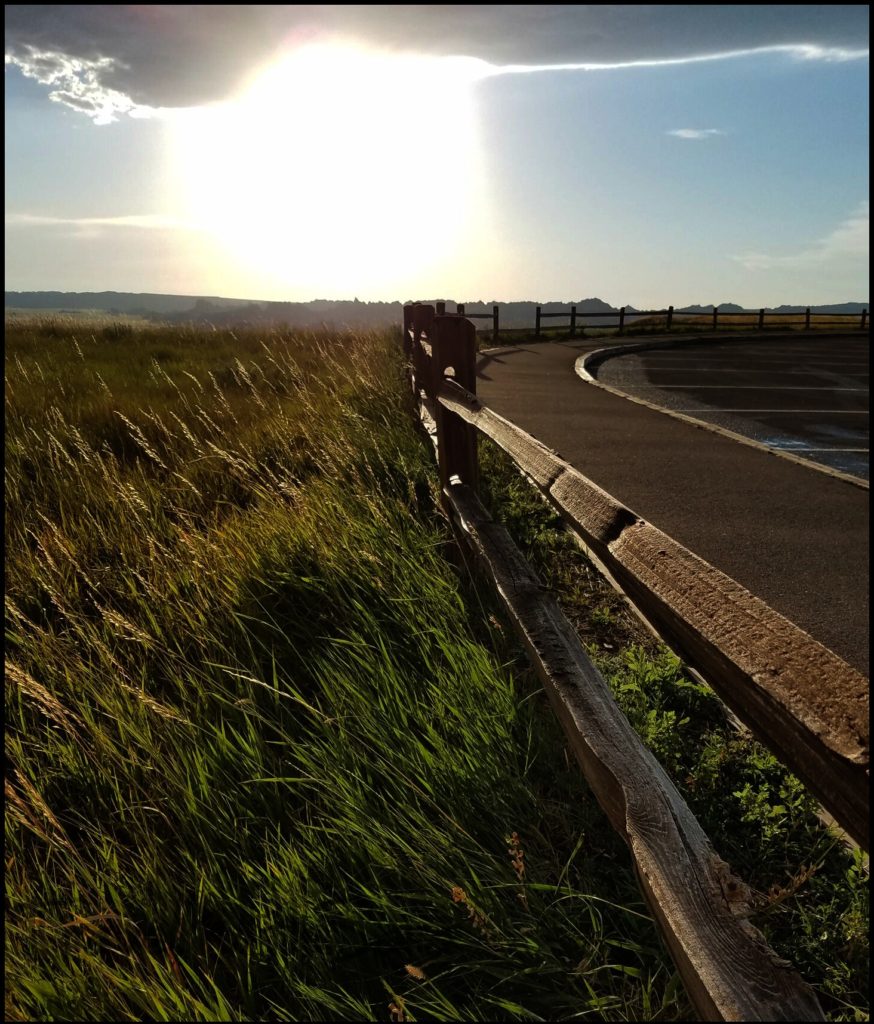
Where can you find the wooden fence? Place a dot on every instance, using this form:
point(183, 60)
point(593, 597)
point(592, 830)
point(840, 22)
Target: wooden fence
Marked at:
point(728, 970)
point(755, 319)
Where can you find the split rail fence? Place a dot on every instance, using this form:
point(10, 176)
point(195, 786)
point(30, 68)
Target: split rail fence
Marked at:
point(748, 318)
point(728, 970)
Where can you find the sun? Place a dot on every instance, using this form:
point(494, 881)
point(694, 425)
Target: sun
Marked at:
point(337, 170)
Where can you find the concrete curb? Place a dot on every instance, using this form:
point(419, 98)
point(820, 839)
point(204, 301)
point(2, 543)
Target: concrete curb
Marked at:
point(585, 363)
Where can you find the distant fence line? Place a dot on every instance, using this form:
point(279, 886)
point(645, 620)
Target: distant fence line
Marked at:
point(757, 318)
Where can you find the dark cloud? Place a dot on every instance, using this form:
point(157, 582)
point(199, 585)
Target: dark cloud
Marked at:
point(158, 55)
point(183, 55)
point(609, 33)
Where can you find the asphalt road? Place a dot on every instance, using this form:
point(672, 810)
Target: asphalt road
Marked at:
point(795, 537)
point(804, 395)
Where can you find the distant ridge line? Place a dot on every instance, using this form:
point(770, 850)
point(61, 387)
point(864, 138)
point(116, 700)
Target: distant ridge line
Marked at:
point(353, 312)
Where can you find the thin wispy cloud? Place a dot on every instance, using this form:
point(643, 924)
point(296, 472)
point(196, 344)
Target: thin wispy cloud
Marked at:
point(695, 133)
point(146, 221)
point(849, 240)
point(108, 61)
point(799, 51)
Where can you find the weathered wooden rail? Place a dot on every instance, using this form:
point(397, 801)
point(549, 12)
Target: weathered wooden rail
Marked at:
point(766, 669)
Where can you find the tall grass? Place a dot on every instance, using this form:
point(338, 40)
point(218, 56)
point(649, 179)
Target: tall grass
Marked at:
point(269, 757)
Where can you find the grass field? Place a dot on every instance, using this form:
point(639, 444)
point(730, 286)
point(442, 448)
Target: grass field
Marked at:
point(72, 318)
point(271, 757)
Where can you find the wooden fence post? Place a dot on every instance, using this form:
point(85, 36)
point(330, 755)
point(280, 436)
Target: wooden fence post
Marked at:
point(761, 319)
point(453, 344)
point(495, 324)
point(807, 319)
point(670, 316)
point(408, 324)
point(715, 314)
point(622, 319)
point(864, 319)
point(537, 322)
point(422, 317)
point(573, 321)
point(441, 308)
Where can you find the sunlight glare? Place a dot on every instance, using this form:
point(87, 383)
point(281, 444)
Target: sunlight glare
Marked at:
point(327, 172)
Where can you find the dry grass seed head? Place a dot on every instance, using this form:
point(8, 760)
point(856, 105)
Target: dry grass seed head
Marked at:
point(48, 703)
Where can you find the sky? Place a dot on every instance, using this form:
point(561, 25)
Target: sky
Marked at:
point(646, 155)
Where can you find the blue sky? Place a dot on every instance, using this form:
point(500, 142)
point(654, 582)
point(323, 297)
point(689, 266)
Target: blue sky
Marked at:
point(316, 152)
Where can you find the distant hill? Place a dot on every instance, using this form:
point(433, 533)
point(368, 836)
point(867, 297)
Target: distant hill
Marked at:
point(841, 307)
point(522, 314)
point(119, 302)
point(331, 313)
point(724, 307)
point(848, 308)
point(214, 309)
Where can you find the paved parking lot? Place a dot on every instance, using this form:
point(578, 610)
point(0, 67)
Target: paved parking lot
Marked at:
point(807, 396)
point(794, 537)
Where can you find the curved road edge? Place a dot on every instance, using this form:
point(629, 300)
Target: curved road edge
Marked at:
point(765, 667)
point(585, 363)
